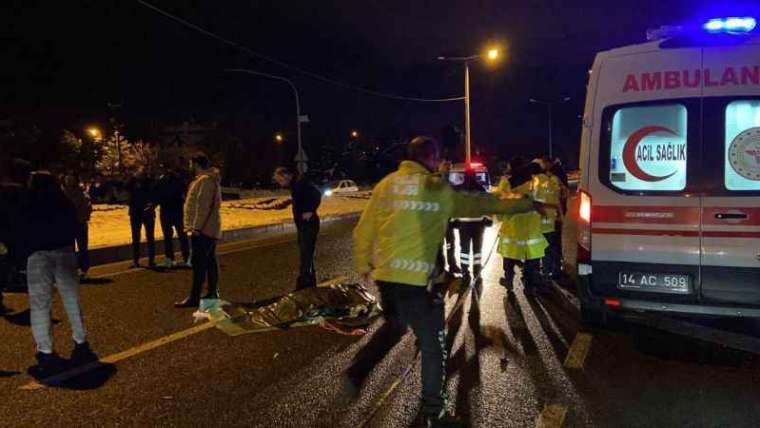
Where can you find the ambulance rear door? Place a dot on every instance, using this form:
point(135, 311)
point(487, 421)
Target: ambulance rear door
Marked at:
point(731, 215)
point(645, 190)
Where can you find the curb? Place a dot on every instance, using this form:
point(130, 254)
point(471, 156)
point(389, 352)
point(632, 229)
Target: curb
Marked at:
point(118, 253)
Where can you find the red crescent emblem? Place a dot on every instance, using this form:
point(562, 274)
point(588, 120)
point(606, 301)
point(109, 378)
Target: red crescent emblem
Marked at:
point(629, 153)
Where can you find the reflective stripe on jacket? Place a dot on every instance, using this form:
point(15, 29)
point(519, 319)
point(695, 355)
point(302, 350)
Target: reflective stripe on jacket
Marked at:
point(547, 189)
point(520, 236)
point(402, 228)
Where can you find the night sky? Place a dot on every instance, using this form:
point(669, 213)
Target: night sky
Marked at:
point(64, 60)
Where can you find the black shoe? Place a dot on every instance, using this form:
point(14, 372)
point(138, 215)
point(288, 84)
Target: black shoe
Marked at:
point(82, 354)
point(48, 365)
point(187, 303)
point(443, 421)
point(509, 285)
point(214, 295)
point(135, 265)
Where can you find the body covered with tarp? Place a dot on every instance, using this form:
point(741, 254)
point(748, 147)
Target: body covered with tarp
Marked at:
point(346, 306)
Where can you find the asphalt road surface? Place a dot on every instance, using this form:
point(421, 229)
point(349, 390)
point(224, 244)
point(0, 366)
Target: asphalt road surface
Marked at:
point(521, 363)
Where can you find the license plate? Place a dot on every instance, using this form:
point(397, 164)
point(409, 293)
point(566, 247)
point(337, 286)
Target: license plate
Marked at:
point(655, 282)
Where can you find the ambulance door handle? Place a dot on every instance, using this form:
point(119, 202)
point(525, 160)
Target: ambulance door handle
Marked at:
point(731, 216)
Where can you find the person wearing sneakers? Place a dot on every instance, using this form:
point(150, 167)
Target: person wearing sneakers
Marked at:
point(49, 226)
point(203, 220)
point(397, 243)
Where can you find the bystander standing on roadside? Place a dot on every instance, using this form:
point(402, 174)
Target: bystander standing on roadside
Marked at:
point(202, 219)
point(49, 228)
point(12, 191)
point(142, 213)
point(306, 200)
point(170, 196)
point(83, 207)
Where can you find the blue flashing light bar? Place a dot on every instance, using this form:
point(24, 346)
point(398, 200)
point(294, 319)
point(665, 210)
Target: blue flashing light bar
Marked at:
point(730, 25)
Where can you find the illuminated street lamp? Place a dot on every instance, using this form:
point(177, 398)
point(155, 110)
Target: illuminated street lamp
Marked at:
point(491, 55)
point(279, 138)
point(354, 134)
point(95, 133)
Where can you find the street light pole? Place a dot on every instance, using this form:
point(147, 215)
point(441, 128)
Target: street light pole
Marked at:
point(491, 55)
point(301, 157)
point(468, 141)
point(549, 105)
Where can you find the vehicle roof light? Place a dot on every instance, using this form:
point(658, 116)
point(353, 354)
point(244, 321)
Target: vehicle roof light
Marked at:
point(730, 25)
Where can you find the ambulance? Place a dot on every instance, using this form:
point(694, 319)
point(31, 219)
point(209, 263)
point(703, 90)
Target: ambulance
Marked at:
point(669, 195)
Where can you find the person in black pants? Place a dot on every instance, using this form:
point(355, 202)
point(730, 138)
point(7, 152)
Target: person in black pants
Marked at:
point(170, 196)
point(202, 219)
point(12, 195)
point(306, 199)
point(142, 212)
point(83, 205)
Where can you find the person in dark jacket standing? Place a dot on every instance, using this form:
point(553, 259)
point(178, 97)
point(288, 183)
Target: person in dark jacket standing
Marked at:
point(170, 196)
point(49, 229)
point(83, 206)
point(12, 192)
point(142, 212)
point(306, 199)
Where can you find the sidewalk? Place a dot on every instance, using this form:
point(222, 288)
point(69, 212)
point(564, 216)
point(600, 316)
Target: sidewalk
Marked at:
point(109, 226)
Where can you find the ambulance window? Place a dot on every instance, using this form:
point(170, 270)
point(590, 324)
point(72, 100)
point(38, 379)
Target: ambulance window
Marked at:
point(648, 148)
point(742, 146)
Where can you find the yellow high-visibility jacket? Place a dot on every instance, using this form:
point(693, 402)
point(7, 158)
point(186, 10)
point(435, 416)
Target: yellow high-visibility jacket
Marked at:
point(547, 189)
point(402, 228)
point(520, 235)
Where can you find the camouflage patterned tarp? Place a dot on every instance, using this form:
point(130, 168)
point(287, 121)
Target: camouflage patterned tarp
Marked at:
point(349, 305)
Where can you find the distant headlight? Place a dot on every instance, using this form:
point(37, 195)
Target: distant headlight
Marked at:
point(328, 192)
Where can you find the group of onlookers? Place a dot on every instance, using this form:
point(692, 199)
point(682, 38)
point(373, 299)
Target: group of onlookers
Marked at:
point(44, 232)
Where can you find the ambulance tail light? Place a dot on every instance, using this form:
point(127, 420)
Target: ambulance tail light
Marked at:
point(585, 207)
point(584, 227)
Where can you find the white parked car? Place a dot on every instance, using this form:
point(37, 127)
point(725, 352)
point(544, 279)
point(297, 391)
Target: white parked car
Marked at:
point(341, 187)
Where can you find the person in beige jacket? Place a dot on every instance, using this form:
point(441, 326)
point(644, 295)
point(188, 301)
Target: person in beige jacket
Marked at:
point(202, 219)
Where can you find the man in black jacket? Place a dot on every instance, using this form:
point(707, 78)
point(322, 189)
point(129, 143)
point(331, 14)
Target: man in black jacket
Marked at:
point(170, 196)
point(306, 199)
point(142, 212)
point(12, 191)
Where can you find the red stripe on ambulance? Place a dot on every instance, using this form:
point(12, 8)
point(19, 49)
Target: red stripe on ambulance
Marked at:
point(649, 215)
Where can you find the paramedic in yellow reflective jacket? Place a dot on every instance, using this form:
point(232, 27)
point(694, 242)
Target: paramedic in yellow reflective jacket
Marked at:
point(521, 239)
point(548, 189)
point(396, 243)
